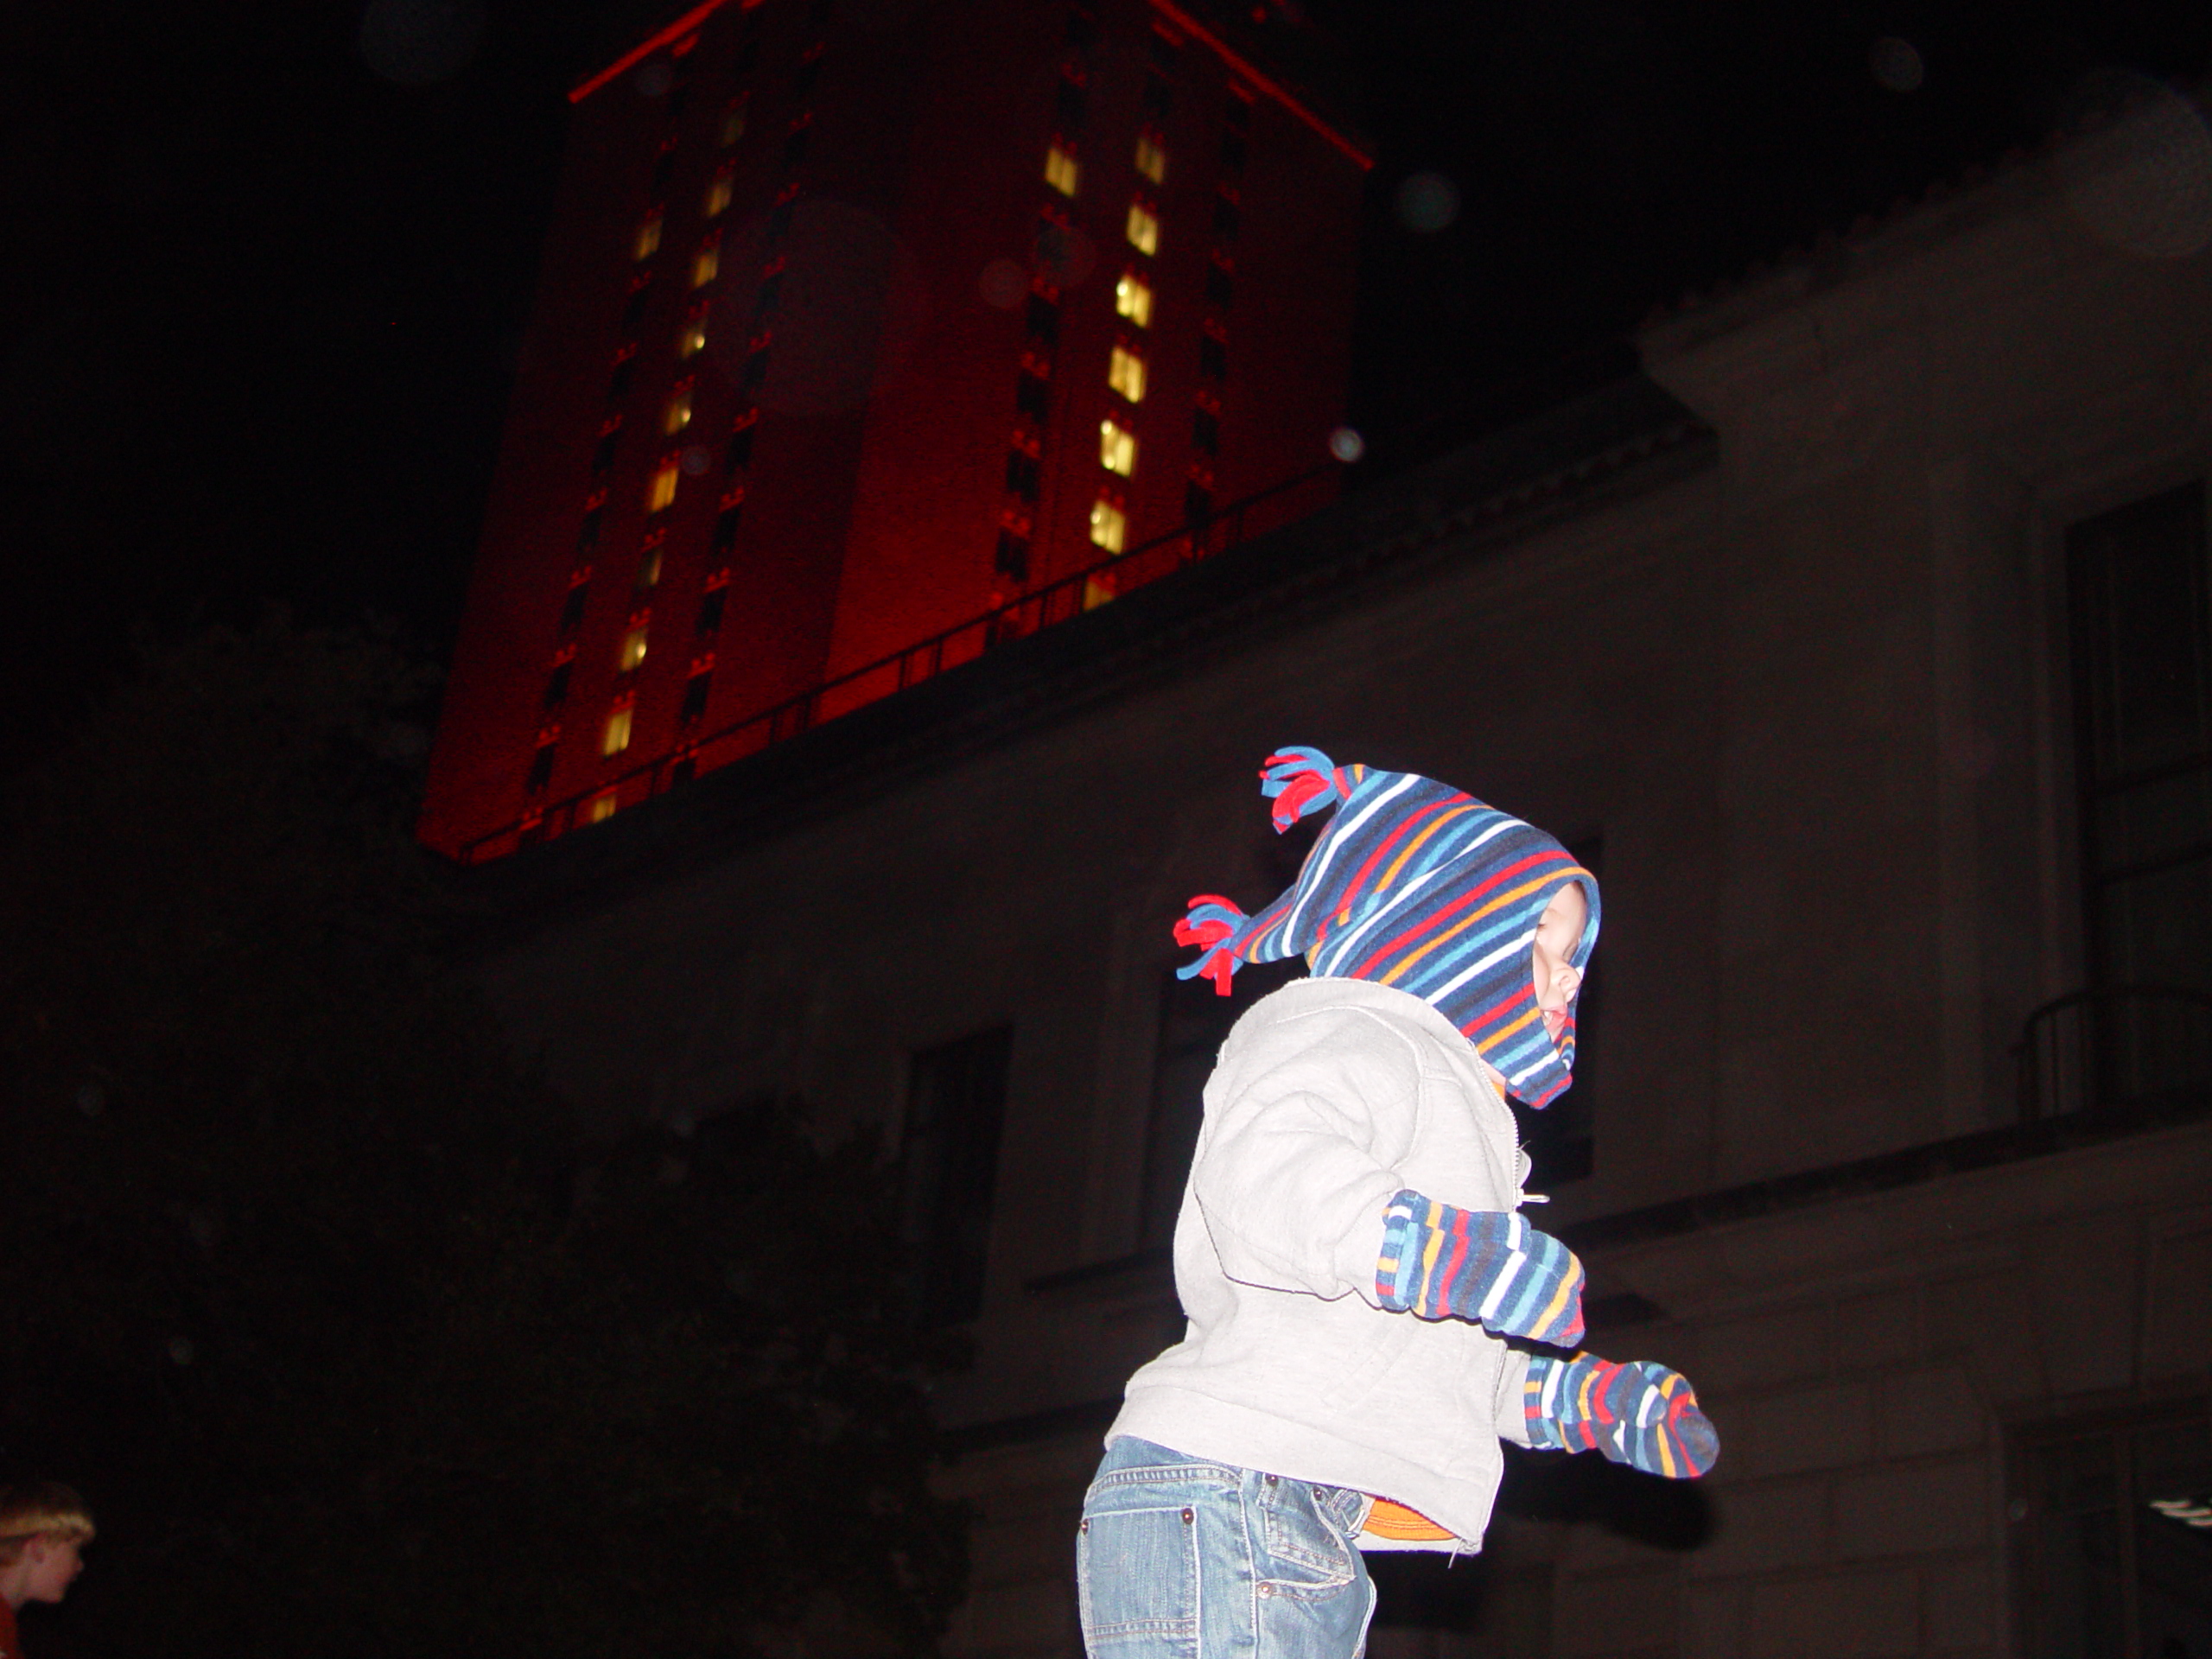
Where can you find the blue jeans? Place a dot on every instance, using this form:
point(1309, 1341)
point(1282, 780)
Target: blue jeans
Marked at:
point(1178, 1558)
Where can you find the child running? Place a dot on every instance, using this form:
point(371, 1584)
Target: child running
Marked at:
point(1349, 1254)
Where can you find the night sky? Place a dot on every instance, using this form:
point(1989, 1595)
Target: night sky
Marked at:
point(268, 263)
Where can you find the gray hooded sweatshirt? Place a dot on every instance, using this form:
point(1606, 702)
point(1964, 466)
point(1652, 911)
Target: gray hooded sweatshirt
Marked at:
point(1330, 1097)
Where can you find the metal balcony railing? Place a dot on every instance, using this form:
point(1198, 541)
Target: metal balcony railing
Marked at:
point(2125, 1045)
point(1057, 601)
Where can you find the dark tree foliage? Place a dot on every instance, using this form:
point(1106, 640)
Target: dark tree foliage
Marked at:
point(355, 1349)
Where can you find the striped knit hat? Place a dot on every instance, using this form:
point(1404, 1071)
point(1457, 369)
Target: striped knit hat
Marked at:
point(1417, 884)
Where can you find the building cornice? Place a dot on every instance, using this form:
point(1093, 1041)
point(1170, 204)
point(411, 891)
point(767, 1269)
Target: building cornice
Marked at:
point(1249, 74)
point(689, 24)
point(1259, 81)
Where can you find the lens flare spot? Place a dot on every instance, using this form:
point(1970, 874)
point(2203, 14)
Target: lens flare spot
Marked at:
point(2138, 176)
point(1895, 64)
point(1427, 202)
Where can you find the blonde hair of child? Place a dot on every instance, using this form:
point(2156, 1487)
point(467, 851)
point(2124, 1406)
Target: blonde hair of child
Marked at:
point(37, 1510)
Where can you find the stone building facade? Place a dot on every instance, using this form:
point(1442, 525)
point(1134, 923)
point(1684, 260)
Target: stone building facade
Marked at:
point(1855, 639)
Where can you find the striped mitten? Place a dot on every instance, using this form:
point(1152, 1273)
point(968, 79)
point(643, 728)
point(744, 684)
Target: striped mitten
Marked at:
point(1640, 1413)
point(1484, 1265)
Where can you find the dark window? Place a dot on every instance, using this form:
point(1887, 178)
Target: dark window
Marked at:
point(1060, 249)
point(1205, 431)
point(710, 610)
point(756, 370)
point(1013, 558)
point(1163, 50)
point(740, 454)
point(1198, 503)
point(779, 219)
point(1213, 358)
point(809, 72)
point(748, 57)
point(1068, 104)
point(1083, 30)
point(726, 523)
point(634, 314)
point(556, 685)
point(664, 171)
point(2118, 1555)
point(1193, 1022)
point(1043, 320)
point(1158, 96)
point(1022, 475)
point(1238, 114)
point(588, 532)
point(1219, 288)
point(618, 383)
point(1225, 218)
point(602, 457)
point(949, 1158)
point(541, 769)
point(572, 609)
point(818, 14)
point(695, 699)
point(1033, 396)
point(795, 146)
point(770, 296)
point(1232, 152)
point(2141, 589)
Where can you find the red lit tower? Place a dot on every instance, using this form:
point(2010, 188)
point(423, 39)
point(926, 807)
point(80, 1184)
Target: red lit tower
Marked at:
point(861, 321)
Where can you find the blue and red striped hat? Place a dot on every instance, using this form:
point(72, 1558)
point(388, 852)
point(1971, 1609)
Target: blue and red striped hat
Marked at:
point(1418, 885)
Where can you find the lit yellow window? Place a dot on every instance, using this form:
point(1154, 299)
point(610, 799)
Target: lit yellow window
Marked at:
point(1117, 450)
point(1125, 373)
point(1143, 229)
point(1060, 171)
point(678, 416)
point(599, 808)
point(616, 737)
point(649, 238)
point(719, 192)
point(633, 651)
point(733, 124)
point(1109, 526)
point(1152, 157)
point(1133, 300)
point(649, 570)
point(662, 490)
point(704, 264)
point(693, 340)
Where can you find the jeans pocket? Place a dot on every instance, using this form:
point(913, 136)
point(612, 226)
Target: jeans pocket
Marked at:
point(1137, 1578)
point(1306, 1557)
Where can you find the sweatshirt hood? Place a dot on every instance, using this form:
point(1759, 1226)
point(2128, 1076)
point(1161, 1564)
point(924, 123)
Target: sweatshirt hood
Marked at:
point(1417, 884)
